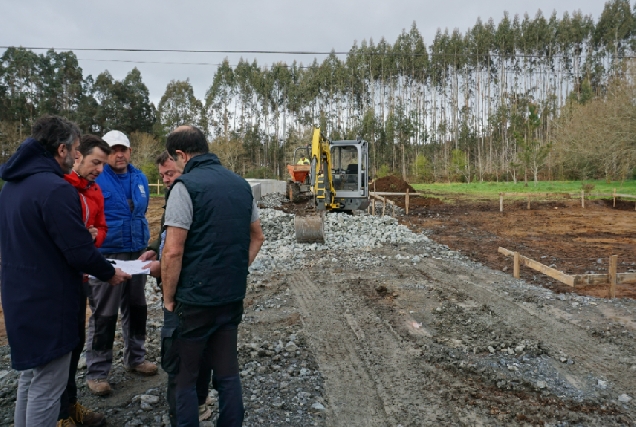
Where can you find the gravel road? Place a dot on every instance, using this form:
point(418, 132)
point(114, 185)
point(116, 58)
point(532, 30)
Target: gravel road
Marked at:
point(385, 327)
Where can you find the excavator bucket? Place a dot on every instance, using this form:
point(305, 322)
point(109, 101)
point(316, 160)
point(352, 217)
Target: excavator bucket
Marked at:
point(310, 228)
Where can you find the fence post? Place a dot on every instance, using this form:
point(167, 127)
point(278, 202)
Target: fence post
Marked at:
point(158, 188)
point(582, 198)
point(528, 201)
point(383, 205)
point(500, 202)
point(515, 271)
point(613, 265)
point(373, 205)
point(406, 201)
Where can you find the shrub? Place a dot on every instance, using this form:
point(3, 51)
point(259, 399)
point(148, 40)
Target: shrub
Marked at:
point(587, 188)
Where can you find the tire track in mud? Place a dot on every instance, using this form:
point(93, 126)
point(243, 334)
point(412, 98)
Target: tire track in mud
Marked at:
point(347, 383)
point(592, 356)
point(372, 376)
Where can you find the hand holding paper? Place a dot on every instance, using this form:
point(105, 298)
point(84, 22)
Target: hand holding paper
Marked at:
point(131, 267)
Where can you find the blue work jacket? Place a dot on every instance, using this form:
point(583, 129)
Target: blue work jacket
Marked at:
point(119, 218)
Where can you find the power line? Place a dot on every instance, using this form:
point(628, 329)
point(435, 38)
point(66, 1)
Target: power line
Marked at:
point(309, 52)
point(150, 62)
point(133, 61)
point(284, 52)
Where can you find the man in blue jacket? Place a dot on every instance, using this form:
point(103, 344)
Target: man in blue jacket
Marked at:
point(45, 248)
point(125, 190)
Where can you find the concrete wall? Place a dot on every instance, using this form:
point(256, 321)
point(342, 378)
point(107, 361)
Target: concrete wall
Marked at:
point(269, 185)
point(256, 190)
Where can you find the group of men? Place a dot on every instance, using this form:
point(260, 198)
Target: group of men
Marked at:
point(70, 204)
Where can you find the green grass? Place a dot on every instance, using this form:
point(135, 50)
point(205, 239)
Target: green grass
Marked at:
point(492, 189)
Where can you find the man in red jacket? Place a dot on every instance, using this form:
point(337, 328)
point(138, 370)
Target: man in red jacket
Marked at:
point(93, 154)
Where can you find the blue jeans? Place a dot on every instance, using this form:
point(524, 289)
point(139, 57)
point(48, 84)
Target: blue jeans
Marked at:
point(206, 340)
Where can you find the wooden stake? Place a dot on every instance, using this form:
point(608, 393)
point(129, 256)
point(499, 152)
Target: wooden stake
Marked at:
point(373, 206)
point(383, 204)
point(406, 201)
point(528, 202)
point(612, 275)
point(583, 198)
point(158, 188)
point(614, 198)
point(516, 272)
point(500, 202)
point(548, 271)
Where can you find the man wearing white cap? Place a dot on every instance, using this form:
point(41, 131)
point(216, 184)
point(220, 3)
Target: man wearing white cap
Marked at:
point(125, 190)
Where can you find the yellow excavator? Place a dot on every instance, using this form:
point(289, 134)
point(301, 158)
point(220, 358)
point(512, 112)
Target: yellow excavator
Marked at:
point(337, 177)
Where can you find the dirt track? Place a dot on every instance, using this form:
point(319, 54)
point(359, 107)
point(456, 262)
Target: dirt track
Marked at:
point(417, 354)
point(383, 339)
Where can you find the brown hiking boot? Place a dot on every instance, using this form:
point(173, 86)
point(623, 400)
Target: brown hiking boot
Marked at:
point(85, 417)
point(205, 411)
point(66, 423)
point(144, 368)
point(99, 387)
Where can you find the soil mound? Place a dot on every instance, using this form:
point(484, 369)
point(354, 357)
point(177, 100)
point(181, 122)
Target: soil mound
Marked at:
point(392, 184)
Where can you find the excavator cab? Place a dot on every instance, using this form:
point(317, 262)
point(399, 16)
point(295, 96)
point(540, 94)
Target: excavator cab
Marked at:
point(349, 173)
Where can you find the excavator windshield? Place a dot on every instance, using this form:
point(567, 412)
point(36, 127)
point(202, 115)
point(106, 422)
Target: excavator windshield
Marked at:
point(346, 168)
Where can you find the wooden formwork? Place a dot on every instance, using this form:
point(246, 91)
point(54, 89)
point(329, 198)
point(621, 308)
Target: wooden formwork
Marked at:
point(582, 195)
point(612, 278)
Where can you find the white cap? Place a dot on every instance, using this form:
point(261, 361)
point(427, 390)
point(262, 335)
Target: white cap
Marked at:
point(115, 137)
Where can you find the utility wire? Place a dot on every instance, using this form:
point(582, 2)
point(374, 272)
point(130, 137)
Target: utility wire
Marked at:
point(307, 52)
point(286, 52)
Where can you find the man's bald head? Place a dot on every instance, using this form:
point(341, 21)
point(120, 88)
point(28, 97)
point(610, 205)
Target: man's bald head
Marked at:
point(188, 139)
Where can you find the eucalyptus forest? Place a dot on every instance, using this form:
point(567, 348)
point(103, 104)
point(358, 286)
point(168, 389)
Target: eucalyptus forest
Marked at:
point(526, 98)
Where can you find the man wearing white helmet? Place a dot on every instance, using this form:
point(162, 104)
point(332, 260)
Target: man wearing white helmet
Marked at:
point(125, 190)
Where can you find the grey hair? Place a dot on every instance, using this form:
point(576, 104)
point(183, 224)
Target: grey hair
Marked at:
point(53, 131)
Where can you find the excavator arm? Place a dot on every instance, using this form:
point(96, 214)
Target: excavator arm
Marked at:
point(320, 173)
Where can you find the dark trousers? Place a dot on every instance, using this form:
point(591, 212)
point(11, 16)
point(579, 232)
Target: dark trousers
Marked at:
point(205, 340)
point(69, 397)
point(106, 301)
point(170, 325)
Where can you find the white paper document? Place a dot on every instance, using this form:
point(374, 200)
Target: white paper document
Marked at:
point(131, 267)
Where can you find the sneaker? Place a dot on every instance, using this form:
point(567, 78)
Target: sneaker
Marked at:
point(144, 368)
point(99, 387)
point(85, 417)
point(66, 423)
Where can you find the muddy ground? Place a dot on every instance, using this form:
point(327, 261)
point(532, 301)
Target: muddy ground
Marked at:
point(559, 234)
point(423, 334)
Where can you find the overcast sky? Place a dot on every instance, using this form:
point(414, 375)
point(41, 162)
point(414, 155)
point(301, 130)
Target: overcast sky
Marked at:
point(283, 25)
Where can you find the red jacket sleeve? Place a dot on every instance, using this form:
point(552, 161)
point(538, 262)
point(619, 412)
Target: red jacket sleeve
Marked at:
point(100, 220)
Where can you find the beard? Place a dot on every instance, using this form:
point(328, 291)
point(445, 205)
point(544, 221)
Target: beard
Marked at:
point(69, 162)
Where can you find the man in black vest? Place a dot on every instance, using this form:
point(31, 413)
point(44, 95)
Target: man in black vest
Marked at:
point(212, 235)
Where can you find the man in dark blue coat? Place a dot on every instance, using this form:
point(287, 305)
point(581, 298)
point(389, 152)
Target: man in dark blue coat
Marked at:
point(45, 248)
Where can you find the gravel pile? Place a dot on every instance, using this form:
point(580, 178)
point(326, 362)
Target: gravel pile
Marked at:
point(272, 200)
point(391, 209)
point(343, 232)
